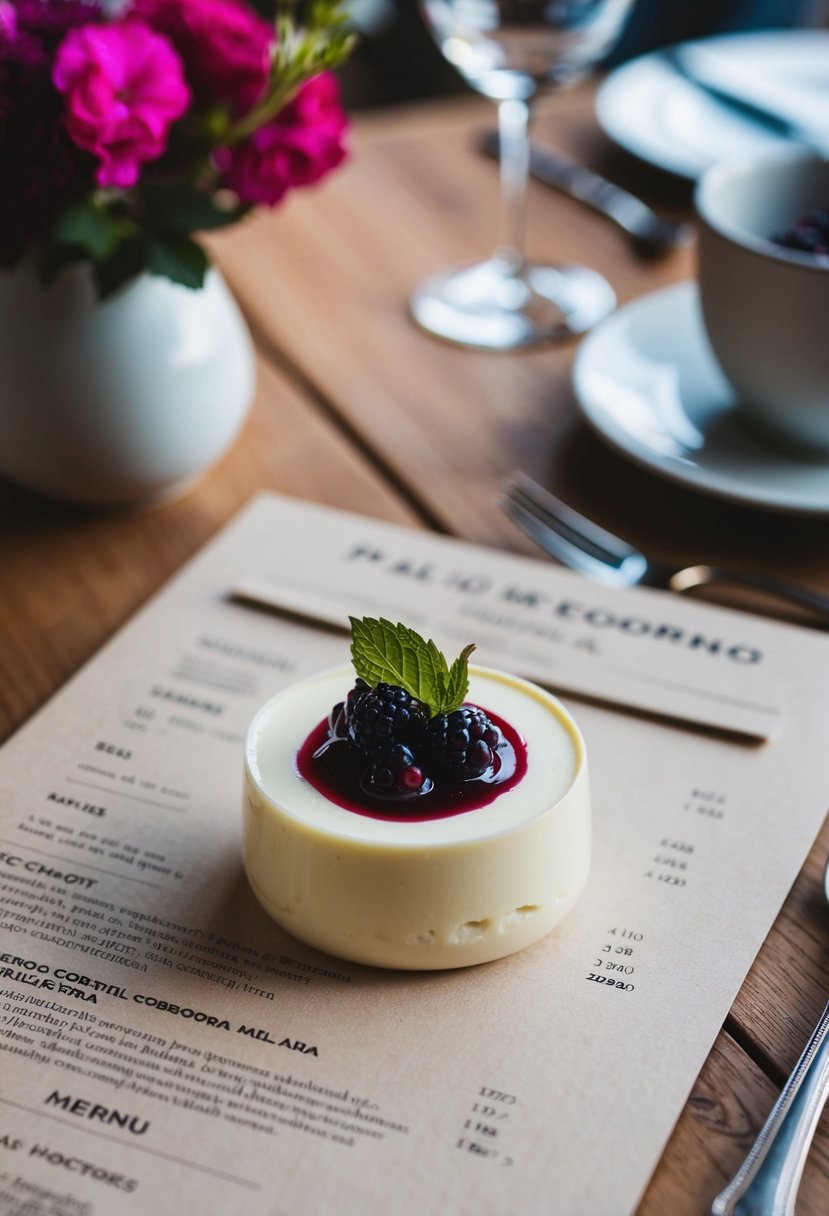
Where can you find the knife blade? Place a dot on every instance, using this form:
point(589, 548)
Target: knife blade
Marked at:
point(771, 104)
point(652, 235)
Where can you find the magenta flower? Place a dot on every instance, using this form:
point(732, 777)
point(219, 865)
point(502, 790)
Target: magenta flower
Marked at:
point(8, 20)
point(124, 87)
point(226, 46)
point(43, 170)
point(298, 147)
point(136, 96)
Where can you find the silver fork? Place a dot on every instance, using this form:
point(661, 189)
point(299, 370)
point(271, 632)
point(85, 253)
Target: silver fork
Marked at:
point(584, 546)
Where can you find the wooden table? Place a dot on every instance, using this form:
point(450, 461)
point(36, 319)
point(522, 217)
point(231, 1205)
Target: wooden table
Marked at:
point(357, 409)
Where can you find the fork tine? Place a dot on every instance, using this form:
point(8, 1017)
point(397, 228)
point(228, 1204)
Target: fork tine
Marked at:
point(554, 542)
point(580, 532)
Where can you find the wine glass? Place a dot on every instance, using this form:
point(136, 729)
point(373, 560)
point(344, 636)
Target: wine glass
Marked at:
point(510, 50)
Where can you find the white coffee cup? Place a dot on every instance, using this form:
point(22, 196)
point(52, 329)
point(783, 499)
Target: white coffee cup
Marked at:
point(766, 307)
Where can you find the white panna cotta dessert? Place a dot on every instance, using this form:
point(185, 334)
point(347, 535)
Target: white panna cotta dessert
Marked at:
point(434, 881)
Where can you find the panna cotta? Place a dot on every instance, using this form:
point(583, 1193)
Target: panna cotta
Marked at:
point(421, 887)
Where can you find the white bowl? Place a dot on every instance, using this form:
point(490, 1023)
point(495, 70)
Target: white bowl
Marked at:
point(766, 307)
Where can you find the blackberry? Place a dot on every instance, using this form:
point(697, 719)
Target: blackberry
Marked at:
point(340, 715)
point(353, 697)
point(385, 715)
point(461, 745)
point(810, 234)
point(392, 772)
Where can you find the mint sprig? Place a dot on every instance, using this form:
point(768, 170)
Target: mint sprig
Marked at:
point(396, 654)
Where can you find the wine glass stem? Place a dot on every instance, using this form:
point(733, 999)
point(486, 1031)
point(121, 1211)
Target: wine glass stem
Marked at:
point(513, 133)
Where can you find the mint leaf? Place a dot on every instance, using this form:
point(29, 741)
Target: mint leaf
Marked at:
point(384, 652)
point(457, 685)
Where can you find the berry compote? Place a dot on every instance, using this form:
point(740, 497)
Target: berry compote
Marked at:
point(378, 754)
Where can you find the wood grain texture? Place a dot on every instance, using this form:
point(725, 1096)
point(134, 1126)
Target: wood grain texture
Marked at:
point(789, 982)
point(719, 1125)
point(726, 1109)
point(327, 280)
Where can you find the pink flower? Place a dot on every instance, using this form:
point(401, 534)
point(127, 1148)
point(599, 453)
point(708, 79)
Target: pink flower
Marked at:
point(124, 87)
point(226, 46)
point(8, 20)
point(298, 147)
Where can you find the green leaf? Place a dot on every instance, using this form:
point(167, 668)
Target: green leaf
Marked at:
point(182, 209)
point(89, 225)
point(457, 685)
point(383, 651)
point(177, 258)
point(53, 256)
point(127, 261)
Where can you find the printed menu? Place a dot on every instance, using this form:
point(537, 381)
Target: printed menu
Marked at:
point(167, 1047)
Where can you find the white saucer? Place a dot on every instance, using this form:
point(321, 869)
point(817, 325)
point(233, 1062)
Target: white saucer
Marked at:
point(646, 380)
point(649, 109)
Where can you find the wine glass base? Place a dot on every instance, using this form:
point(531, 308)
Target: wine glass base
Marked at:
point(491, 306)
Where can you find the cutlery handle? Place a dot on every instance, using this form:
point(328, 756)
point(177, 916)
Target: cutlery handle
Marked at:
point(767, 1181)
point(653, 235)
point(699, 576)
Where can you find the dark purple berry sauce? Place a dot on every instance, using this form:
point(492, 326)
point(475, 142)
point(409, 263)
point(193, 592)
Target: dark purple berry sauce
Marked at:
point(330, 765)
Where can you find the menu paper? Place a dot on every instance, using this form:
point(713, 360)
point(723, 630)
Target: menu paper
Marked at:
point(166, 1047)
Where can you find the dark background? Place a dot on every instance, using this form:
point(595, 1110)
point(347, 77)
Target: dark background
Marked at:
point(396, 60)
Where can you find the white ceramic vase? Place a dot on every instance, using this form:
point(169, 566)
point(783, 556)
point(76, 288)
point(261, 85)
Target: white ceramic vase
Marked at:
point(124, 401)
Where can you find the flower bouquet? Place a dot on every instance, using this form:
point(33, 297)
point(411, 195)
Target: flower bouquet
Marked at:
point(124, 131)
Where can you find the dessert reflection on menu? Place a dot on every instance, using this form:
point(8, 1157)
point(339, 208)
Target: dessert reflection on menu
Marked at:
point(167, 1043)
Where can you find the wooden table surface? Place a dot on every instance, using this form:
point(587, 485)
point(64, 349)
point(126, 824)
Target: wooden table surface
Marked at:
point(358, 409)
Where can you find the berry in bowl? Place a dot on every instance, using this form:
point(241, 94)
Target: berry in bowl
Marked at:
point(809, 234)
point(410, 814)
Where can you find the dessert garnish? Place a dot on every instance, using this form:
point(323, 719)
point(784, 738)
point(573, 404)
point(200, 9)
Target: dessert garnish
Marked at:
point(404, 730)
point(809, 234)
point(437, 867)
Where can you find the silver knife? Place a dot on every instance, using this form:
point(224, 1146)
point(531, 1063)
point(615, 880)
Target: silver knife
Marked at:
point(652, 235)
point(771, 104)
